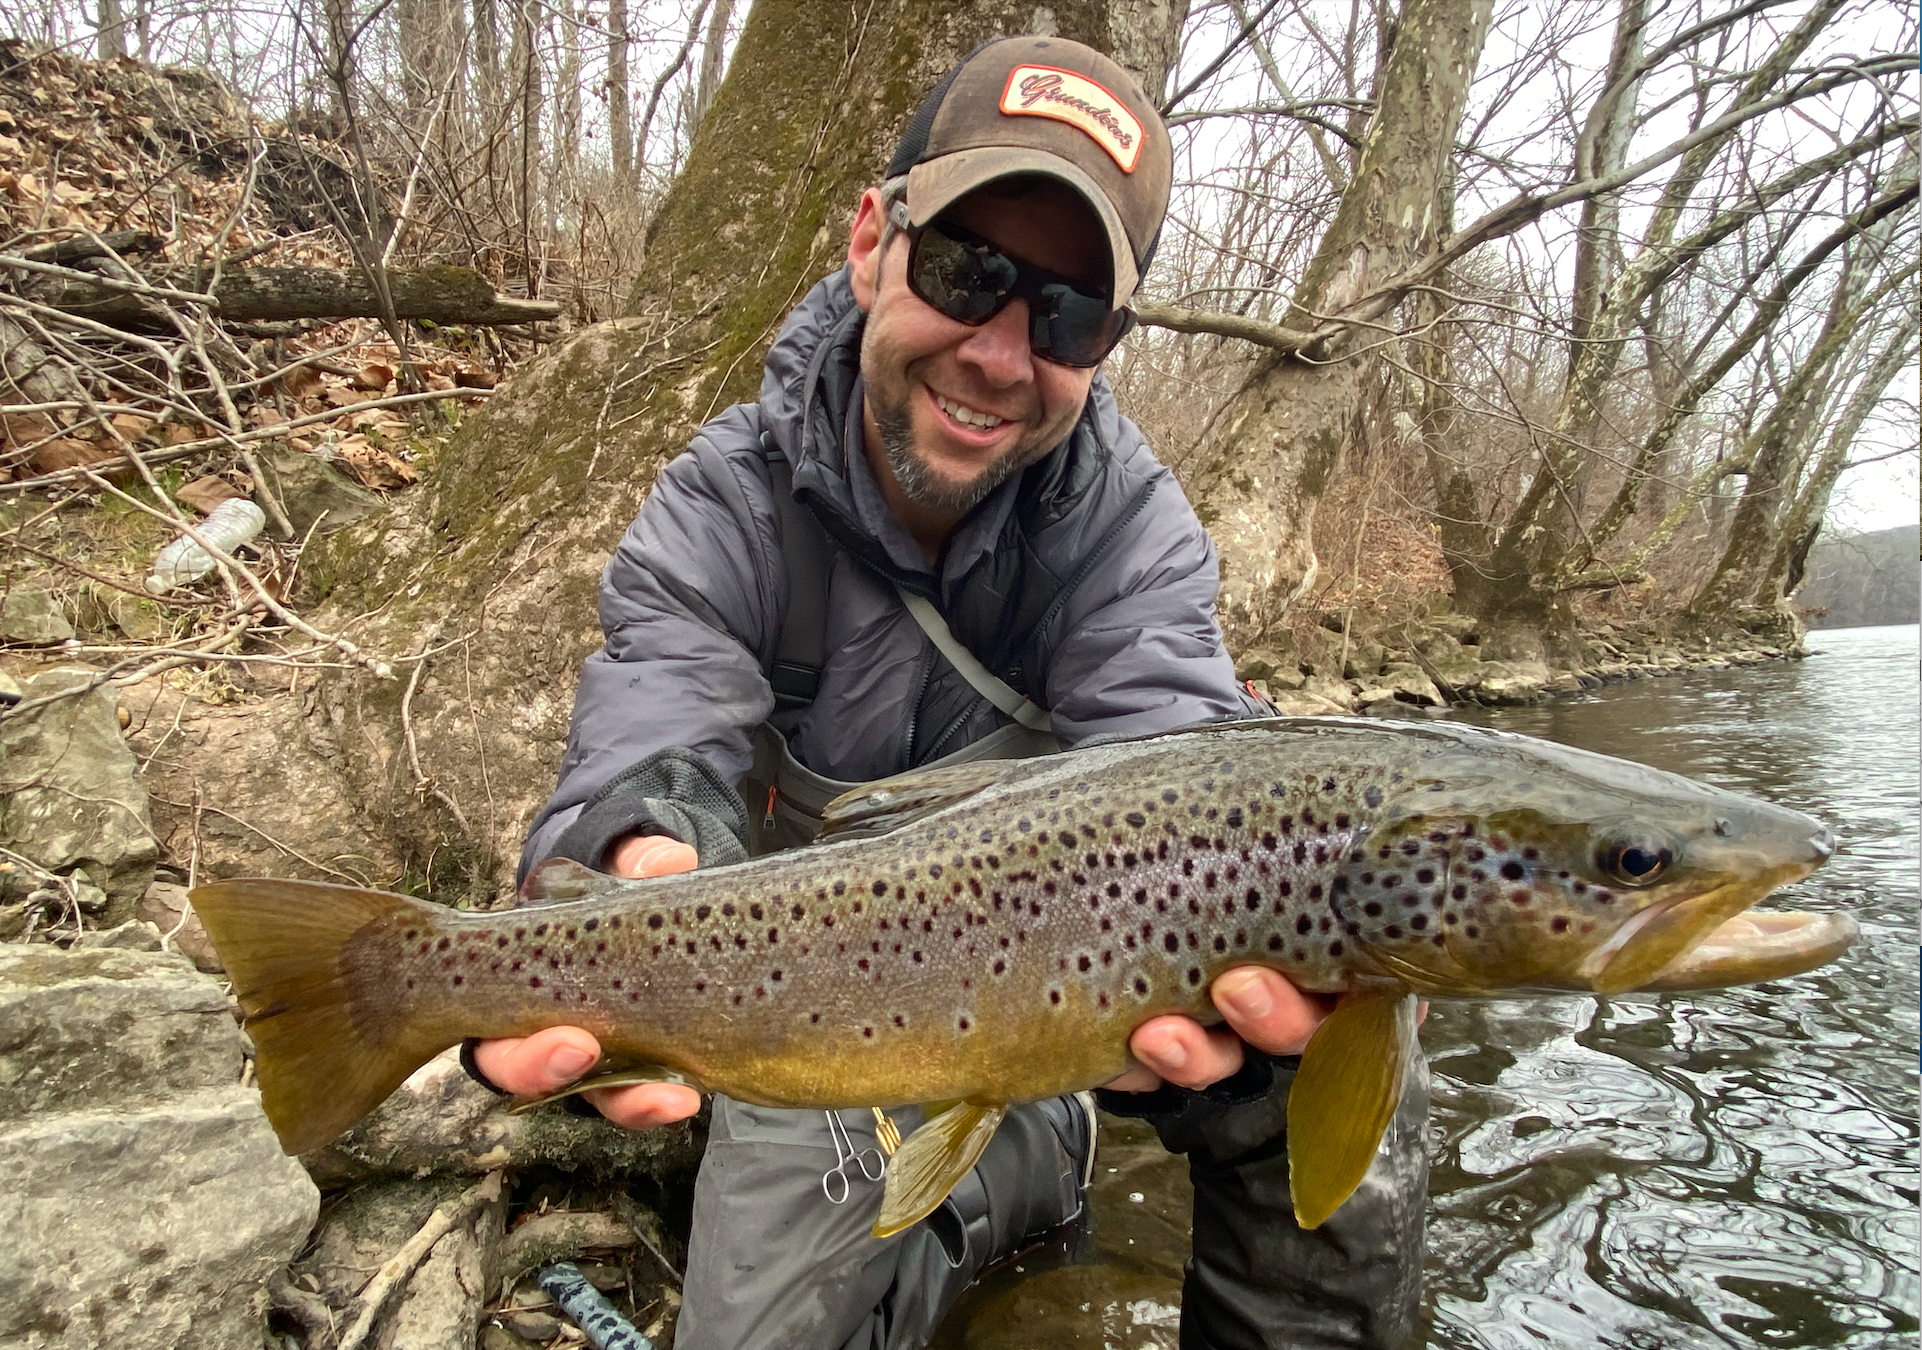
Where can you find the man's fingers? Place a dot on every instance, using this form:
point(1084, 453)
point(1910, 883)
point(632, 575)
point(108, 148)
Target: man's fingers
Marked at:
point(532, 1066)
point(1181, 1051)
point(650, 855)
point(1266, 1010)
point(643, 1106)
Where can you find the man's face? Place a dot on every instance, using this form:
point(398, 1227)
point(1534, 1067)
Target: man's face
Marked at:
point(960, 409)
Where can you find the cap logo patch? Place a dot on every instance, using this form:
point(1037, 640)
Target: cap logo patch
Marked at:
point(1044, 91)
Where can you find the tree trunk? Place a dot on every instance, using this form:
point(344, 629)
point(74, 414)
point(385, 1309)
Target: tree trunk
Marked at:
point(620, 96)
point(713, 51)
point(500, 551)
point(1281, 438)
point(111, 30)
point(443, 294)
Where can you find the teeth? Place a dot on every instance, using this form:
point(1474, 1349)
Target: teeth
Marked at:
point(967, 416)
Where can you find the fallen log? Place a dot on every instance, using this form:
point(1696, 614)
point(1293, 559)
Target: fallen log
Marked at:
point(442, 294)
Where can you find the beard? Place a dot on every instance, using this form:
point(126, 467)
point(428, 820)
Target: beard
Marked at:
point(918, 484)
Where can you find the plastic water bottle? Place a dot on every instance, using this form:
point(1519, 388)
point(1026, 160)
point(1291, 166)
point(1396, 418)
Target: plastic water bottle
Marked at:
point(231, 524)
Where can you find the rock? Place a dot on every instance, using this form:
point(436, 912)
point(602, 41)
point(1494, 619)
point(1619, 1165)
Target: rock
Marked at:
point(164, 905)
point(532, 1324)
point(1364, 659)
point(139, 619)
point(1411, 684)
point(131, 936)
point(33, 616)
point(1464, 628)
point(1512, 682)
point(1564, 682)
point(1258, 663)
point(97, 1028)
point(269, 774)
point(71, 795)
point(442, 1121)
point(447, 1296)
point(1285, 679)
point(1463, 673)
point(1330, 690)
point(311, 489)
point(9, 685)
point(1317, 651)
point(1303, 704)
point(147, 1200)
point(366, 1226)
point(1373, 695)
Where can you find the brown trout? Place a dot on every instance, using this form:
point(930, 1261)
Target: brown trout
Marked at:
point(991, 933)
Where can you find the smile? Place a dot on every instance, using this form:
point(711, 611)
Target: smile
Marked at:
point(966, 416)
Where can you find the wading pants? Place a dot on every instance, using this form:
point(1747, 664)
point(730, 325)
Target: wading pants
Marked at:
point(771, 1263)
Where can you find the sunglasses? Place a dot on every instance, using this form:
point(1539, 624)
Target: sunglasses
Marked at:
point(971, 280)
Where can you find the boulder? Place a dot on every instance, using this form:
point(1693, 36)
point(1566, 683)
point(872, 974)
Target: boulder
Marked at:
point(165, 906)
point(1329, 690)
point(312, 490)
point(1365, 658)
point(147, 1199)
point(70, 792)
point(1259, 663)
point(1411, 684)
point(1301, 704)
point(33, 616)
point(1512, 682)
point(1463, 673)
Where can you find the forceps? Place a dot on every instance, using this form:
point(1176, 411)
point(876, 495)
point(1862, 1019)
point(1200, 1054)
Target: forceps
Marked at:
point(870, 1162)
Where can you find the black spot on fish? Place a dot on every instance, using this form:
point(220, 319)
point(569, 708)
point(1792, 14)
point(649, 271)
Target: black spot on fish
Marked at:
point(1194, 975)
point(442, 945)
point(1221, 943)
point(534, 982)
point(1054, 997)
point(1513, 870)
point(1472, 931)
point(1459, 892)
point(1136, 819)
point(962, 1023)
point(1171, 942)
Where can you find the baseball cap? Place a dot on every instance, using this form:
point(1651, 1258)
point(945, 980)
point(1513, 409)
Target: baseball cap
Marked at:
point(1051, 106)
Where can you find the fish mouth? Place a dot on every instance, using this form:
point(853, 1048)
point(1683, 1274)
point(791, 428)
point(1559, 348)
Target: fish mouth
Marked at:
point(1664, 937)
point(1753, 947)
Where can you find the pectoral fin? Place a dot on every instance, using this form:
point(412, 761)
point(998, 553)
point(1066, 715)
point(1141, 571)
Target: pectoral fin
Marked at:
point(931, 1160)
point(1344, 1096)
point(893, 802)
point(616, 1075)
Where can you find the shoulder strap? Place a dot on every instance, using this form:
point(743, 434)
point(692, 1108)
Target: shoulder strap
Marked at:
point(802, 648)
point(996, 691)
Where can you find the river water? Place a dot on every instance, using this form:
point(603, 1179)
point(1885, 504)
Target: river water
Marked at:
point(1726, 1169)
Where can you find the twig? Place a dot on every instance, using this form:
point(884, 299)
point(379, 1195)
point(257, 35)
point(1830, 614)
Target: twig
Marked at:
point(424, 786)
point(389, 1278)
point(187, 448)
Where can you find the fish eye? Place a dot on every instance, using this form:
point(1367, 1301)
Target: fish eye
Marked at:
point(1634, 859)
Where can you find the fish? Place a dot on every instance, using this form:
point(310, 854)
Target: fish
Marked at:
point(987, 934)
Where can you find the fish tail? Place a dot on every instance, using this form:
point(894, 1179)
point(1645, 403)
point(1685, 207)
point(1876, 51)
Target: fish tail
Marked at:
point(329, 1048)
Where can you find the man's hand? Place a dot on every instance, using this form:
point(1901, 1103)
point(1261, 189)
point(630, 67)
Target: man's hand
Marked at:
point(1262, 1009)
point(547, 1061)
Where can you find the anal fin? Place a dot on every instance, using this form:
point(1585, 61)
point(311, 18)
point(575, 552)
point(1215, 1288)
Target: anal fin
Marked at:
point(612, 1075)
point(1344, 1095)
point(931, 1160)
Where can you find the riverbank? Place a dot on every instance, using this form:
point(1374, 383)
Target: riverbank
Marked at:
point(1414, 667)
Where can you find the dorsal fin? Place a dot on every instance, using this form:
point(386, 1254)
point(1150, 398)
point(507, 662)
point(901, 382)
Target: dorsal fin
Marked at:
point(894, 802)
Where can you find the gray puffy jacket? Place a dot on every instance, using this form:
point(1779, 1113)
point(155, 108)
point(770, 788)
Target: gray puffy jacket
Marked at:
point(1086, 582)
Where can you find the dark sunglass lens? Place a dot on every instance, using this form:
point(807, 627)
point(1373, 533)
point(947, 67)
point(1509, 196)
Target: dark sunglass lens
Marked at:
point(1077, 329)
point(967, 283)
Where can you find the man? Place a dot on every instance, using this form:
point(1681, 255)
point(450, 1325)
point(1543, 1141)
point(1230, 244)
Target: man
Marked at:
point(932, 526)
